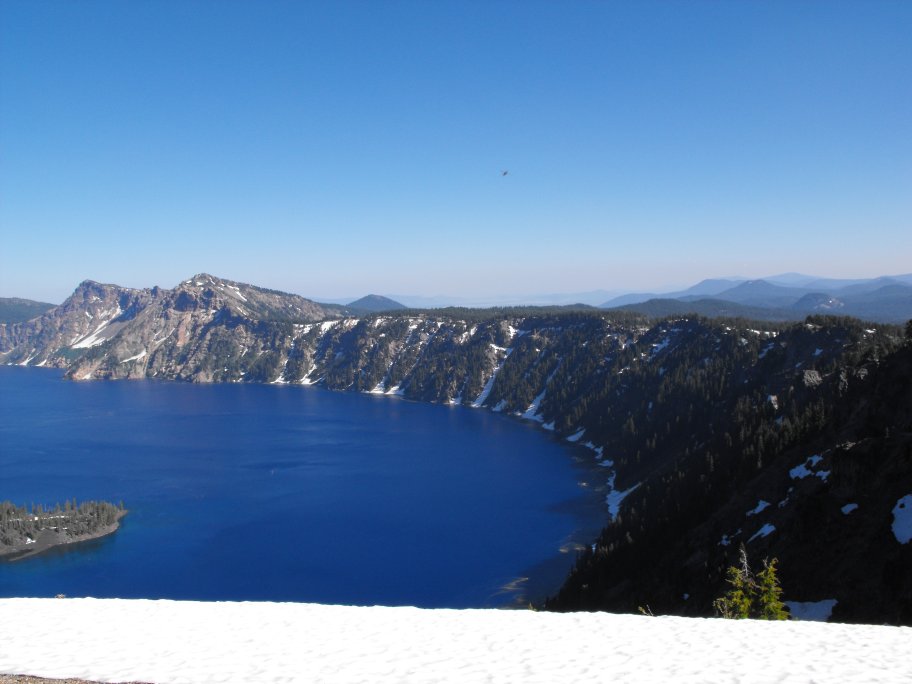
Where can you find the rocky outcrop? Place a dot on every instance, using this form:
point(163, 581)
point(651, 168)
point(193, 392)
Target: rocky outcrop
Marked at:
point(108, 331)
point(93, 314)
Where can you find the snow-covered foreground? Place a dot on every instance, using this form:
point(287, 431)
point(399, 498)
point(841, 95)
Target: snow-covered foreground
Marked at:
point(173, 641)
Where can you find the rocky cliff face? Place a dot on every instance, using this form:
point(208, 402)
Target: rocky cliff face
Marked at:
point(93, 314)
point(106, 331)
point(709, 433)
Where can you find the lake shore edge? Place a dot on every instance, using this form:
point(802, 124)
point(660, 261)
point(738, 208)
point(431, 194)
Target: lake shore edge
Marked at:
point(49, 539)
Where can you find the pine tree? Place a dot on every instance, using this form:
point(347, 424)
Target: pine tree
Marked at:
point(737, 601)
point(771, 606)
point(752, 596)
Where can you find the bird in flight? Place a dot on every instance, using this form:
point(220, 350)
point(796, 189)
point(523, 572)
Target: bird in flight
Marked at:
point(504, 173)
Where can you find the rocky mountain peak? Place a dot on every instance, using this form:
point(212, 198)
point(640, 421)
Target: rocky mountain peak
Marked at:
point(200, 280)
point(101, 324)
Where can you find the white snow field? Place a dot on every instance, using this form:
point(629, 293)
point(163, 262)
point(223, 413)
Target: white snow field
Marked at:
point(174, 641)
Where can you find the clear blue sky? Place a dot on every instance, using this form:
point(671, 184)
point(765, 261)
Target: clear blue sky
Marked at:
point(339, 148)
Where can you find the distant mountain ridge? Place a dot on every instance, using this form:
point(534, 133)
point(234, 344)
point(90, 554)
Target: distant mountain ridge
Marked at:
point(16, 310)
point(886, 299)
point(707, 287)
point(375, 303)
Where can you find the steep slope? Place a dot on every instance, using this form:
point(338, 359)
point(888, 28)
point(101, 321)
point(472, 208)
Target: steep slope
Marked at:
point(116, 332)
point(93, 314)
point(800, 451)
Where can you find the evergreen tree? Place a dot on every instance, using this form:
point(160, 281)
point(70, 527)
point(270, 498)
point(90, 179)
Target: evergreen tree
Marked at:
point(770, 593)
point(752, 596)
point(737, 602)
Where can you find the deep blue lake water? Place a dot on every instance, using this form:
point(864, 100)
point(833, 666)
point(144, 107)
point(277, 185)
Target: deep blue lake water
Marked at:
point(253, 492)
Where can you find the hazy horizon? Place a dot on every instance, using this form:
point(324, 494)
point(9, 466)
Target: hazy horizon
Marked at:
point(341, 149)
point(443, 299)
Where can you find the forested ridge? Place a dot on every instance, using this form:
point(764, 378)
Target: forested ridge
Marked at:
point(798, 445)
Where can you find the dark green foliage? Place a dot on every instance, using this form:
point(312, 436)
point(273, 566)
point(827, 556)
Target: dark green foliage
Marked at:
point(265, 367)
point(695, 423)
point(750, 595)
point(769, 594)
point(72, 520)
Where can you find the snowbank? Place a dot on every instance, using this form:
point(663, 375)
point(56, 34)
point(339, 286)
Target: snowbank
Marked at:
point(173, 641)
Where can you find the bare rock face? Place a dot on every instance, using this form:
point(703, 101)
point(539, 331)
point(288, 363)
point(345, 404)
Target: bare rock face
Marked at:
point(107, 331)
point(93, 314)
point(204, 291)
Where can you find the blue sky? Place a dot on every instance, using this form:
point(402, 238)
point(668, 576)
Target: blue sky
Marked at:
point(339, 148)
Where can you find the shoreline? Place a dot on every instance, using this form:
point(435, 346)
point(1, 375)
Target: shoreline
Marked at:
point(48, 539)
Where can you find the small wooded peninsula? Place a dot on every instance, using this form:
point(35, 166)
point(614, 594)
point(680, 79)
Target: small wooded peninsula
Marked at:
point(26, 532)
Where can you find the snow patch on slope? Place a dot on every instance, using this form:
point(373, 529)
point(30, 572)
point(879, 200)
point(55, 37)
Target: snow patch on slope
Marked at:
point(615, 498)
point(805, 469)
point(92, 339)
point(139, 356)
point(575, 437)
point(902, 519)
point(761, 506)
point(811, 611)
point(489, 385)
point(764, 531)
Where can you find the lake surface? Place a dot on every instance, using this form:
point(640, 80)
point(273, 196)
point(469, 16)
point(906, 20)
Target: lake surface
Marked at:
point(255, 492)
